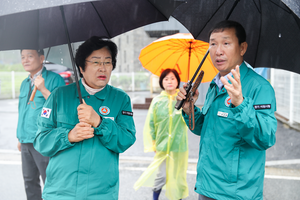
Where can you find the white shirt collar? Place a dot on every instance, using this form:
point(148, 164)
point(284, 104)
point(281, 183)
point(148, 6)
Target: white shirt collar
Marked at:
point(34, 76)
point(90, 90)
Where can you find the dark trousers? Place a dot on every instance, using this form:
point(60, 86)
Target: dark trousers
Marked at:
point(33, 165)
point(161, 177)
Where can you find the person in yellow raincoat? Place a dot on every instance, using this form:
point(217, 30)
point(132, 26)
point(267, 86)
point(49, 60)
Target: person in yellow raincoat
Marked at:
point(165, 133)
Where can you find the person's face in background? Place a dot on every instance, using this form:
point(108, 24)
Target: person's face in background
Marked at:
point(170, 83)
point(225, 50)
point(97, 74)
point(31, 61)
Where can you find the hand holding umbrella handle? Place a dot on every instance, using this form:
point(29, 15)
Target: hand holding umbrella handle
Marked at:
point(33, 92)
point(190, 90)
point(179, 104)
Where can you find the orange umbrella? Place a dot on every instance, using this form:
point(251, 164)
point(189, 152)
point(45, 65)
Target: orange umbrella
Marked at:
point(181, 52)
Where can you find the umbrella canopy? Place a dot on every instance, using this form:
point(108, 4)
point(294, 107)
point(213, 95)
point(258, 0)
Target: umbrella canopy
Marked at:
point(273, 30)
point(293, 5)
point(39, 24)
point(179, 51)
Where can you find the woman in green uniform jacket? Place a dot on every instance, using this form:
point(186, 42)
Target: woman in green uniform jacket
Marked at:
point(84, 141)
point(165, 132)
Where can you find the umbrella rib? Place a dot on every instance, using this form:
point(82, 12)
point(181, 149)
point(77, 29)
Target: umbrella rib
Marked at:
point(200, 48)
point(182, 52)
point(259, 10)
point(170, 47)
point(156, 58)
point(165, 59)
point(207, 22)
point(200, 59)
point(283, 8)
point(100, 18)
point(158, 9)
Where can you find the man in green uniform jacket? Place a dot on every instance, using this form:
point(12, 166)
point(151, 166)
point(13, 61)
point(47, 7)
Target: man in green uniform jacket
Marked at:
point(236, 124)
point(83, 141)
point(33, 163)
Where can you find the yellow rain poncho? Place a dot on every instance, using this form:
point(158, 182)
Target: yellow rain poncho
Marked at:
point(166, 133)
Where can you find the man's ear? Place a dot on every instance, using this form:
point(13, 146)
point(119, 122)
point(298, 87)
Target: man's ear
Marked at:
point(42, 58)
point(243, 48)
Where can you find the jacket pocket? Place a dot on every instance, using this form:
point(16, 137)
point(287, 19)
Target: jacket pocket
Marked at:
point(39, 102)
point(235, 164)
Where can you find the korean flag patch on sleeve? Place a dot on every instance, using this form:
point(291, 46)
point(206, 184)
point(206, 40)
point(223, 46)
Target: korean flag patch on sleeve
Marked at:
point(46, 112)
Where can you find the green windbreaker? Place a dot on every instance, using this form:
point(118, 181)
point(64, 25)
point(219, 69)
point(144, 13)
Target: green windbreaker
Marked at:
point(88, 169)
point(27, 125)
point(233, 141)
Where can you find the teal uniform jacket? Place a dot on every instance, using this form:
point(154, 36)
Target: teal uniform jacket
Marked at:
point(233, 141)
point(88, 169)
point(27, 123)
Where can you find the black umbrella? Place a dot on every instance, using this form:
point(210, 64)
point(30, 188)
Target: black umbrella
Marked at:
point(38, 24)
point(293, 5)
point(273, 29)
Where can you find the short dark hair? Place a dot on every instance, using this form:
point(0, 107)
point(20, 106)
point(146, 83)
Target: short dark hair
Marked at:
point(39, 51)
point(165, 73)
point(227, 24)
point(93, 44)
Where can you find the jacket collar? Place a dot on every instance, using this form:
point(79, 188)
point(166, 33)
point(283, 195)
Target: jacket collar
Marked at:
point(100, 95)
point(44, 73)
point(243, 71)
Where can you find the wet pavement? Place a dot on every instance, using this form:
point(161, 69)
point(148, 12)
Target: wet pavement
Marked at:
point(282, 178)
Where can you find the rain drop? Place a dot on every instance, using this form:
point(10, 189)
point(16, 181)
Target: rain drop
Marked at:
point(279, 35)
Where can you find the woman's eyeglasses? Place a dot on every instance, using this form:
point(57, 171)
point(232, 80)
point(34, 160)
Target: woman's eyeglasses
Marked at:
point(98, 64)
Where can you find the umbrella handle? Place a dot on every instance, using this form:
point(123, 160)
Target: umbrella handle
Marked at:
point(179, 104)
point(190, 91)
point(33, 94)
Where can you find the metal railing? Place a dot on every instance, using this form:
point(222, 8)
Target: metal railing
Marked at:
point(287, 92)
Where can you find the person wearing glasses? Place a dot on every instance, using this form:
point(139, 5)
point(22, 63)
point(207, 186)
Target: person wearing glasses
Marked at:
point(83, 141)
